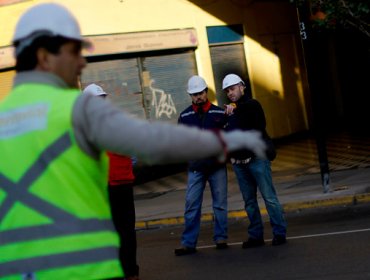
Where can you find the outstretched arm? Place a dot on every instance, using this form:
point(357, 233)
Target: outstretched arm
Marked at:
point(100, 126)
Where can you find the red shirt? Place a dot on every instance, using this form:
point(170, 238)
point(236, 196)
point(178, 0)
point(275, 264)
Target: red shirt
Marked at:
point(120, 170)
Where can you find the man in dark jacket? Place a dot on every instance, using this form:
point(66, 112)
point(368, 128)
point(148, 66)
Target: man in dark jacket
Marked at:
point(251, 171)
point(201, 113)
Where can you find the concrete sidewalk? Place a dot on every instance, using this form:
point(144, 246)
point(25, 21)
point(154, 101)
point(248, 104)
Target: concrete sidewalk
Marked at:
point(161, 202)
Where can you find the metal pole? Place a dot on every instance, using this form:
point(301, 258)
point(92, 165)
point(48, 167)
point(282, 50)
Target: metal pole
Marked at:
point(313, 44)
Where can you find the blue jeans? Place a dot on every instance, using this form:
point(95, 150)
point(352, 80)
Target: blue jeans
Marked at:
point(257, 173)
point(193, 205)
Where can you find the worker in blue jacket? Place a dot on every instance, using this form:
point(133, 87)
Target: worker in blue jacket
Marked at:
point(203, 114)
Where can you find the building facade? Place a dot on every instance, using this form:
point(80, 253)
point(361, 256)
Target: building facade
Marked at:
point(146, 50)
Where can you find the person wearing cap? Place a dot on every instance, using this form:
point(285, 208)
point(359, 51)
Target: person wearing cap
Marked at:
point(54, 168)
point(253, 172)
point(203, 114)
point(121, 198)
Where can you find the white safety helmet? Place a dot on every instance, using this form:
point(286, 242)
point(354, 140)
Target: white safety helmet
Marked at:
point(196, 84)
point(94, 89)
point(46, 19)
point(230, 80)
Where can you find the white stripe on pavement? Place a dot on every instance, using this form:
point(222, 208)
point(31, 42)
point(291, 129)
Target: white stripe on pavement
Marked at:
point(299, 237)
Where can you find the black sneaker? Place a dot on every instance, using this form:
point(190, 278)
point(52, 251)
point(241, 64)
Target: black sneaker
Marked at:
point(185, 251)
point(253, 243)
point(221, 245)
point(278, 240)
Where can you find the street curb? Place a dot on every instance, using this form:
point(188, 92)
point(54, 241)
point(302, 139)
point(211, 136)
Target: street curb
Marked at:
point(348, 200)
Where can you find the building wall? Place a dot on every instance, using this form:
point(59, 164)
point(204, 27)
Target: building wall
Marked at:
point(271, 42)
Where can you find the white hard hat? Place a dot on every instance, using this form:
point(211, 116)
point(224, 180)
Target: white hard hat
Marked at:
point(196, 84)
point(230, 80)
point(94, 89)
point(48, 18)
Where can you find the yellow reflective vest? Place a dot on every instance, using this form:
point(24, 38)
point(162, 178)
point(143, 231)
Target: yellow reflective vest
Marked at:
point(55, 220)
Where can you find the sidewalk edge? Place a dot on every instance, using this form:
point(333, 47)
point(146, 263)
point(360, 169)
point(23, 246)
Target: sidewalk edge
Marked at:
point(348, 200)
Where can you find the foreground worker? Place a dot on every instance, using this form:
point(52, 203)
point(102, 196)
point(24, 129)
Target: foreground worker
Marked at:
point(55, 221)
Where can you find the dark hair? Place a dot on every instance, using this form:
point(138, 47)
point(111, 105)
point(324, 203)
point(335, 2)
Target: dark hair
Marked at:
point(27, 59)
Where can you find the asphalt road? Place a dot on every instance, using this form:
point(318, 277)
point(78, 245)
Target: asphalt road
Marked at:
point(328, 243)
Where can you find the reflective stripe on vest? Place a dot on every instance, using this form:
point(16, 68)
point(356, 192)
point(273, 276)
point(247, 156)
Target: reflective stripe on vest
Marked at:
point(63, 225)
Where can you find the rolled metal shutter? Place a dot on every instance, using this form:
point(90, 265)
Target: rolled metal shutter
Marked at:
point(151, 87)
point(228, 59)
point(167, 77)
point(120, 79)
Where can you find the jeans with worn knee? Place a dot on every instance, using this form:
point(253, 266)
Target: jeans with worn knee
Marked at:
point(253, 175)
point(193, 205)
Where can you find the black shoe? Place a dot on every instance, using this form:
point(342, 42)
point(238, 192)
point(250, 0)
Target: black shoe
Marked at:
point(278, 240)
point(185, 251)
point(253, 243)
point(221, 245)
